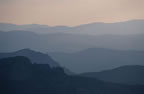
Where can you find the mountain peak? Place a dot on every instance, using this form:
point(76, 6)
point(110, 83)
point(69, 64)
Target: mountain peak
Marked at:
point(26, 50)
point(34, 56)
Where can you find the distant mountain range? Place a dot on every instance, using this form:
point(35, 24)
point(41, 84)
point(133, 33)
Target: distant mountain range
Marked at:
point(132, 74)
point(128, 27)
point(88, 50)
point(98, 59)
point(20, 76)
point(62, 42)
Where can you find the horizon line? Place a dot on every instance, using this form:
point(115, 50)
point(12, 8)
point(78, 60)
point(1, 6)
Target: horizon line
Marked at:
point(74, 25)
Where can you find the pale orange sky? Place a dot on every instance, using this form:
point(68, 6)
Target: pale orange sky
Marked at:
point(69, 12)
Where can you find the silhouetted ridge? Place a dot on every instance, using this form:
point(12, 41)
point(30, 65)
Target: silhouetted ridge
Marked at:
point(131, 67)
point(34, 56)
point(129, 74)
point(15, 68)
point(21, 68)
point(20, 59)
point(20, 76)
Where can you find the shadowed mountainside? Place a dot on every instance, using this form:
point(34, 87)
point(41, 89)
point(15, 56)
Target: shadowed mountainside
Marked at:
point(42, 79)
point(35, 57)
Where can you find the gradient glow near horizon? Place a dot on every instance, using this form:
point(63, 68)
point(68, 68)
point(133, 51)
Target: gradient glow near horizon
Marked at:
point(69, 12)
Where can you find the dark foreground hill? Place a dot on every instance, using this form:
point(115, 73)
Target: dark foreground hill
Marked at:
point(132, 74)
point(19, 76)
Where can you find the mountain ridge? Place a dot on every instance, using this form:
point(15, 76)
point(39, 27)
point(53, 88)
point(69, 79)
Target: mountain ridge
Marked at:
point(20, 78)
point(64, 42)
point(128, 74)
point(35, 57)
point(127, 27)
point(97, 59)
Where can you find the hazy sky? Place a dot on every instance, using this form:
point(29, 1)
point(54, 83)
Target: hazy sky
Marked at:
point(69, 12)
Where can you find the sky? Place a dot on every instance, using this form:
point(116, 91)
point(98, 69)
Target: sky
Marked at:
point(70, 12)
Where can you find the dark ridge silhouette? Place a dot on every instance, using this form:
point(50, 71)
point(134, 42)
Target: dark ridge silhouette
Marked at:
point(98, 59)
point(15, 68)
point(42, 79)
point(130, 74)
point(35, 57)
